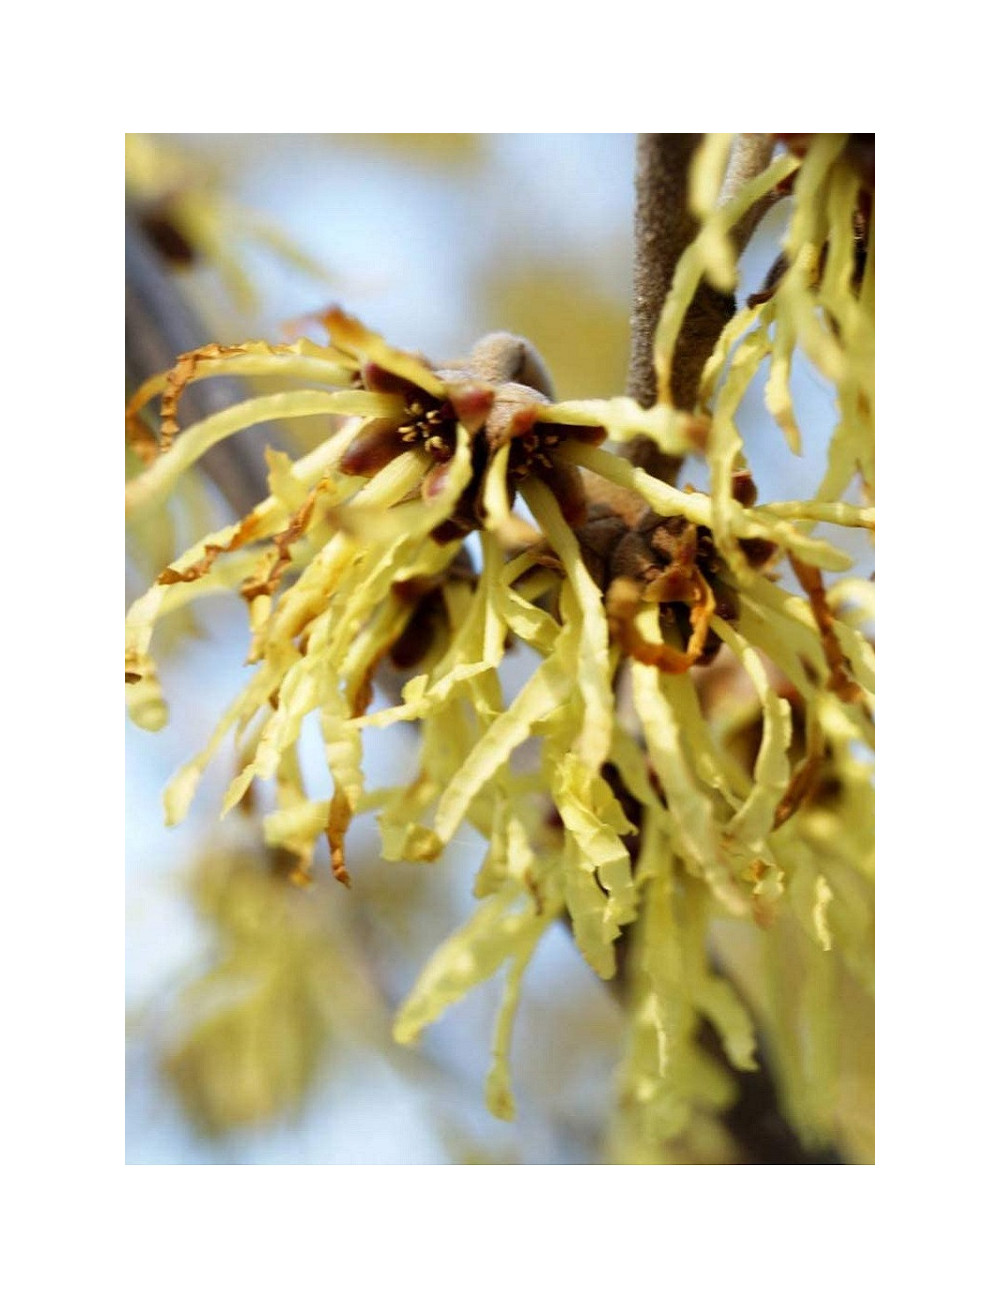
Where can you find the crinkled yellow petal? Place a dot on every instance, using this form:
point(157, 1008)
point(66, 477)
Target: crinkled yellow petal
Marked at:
point(777, 392)
point(496, 502)
point(717, 998)
point(593, 929)
point(181, 788)
point(529, 624)
point(754, 820)
point(692, 265)
point(300, 360)
point(725, 443)
point(712, 994)
point(472, 954)
point(544, 691)
point(342, 747)
point(695, 834)
point(305, 821)
point(592, 816)
point(709, 760)
point(594, 665)
point(153, 485)
point(509, 856)
point(663, 963)
point(349, 334)
point(282, 481)
point(742, 323)
point(499, 1095)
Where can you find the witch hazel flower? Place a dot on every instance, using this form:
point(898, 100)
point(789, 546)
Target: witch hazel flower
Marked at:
point(356, 566)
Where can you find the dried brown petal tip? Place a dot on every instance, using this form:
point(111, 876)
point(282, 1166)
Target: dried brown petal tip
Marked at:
point(198, 570)
point(840, 680)
point(140, 437)
point(336, 828)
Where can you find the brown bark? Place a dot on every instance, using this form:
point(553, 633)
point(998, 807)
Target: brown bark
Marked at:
point(664, 227)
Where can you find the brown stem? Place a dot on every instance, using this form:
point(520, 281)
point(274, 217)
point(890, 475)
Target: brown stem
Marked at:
point(664, 227)
point(750, 155)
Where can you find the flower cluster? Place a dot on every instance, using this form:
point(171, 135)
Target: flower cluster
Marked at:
point(640, 804)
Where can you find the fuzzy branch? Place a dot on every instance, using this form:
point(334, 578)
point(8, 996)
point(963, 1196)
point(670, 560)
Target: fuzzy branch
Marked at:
point(664, 227)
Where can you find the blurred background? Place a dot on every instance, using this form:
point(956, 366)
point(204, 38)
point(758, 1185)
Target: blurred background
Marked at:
point(258, 1017)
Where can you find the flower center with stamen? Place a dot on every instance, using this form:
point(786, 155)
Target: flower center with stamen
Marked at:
point(533, 450)
point(431, 427)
